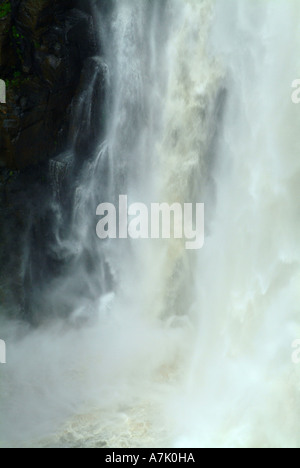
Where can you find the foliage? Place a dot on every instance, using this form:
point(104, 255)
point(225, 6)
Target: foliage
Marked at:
point(16, 35)
point(5, 9)
point(17, 81)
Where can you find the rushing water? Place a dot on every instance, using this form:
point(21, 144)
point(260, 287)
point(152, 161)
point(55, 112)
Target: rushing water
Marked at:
point(182, 349)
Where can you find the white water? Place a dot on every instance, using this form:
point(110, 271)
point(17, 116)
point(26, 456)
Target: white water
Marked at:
point(189, 350)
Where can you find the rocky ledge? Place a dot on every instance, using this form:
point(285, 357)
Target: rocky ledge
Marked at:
point(48, 51)
point(44, 45)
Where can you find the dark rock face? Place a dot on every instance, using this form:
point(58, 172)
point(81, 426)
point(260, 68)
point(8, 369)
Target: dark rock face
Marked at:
point(44, 45)
point(49, 53)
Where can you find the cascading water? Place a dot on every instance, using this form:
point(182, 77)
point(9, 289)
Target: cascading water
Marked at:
point(181, 349)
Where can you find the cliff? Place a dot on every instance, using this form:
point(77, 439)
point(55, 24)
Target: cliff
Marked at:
point(47, 50)
point(44, 45)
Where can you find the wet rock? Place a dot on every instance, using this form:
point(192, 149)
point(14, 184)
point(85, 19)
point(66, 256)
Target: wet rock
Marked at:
point(88, 123)
point(44, 45)
point(46, 58)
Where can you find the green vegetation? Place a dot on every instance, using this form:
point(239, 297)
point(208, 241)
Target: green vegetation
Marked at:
point(17, 81)
point(18, 41)
point(5, 9)
point(16, 35)
point(37, 45)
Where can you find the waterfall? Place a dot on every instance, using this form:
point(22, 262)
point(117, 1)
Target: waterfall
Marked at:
point(166, 347)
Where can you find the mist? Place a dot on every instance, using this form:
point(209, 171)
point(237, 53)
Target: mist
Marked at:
point(164, 346)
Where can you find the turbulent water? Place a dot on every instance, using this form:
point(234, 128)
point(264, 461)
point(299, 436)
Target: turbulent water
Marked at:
point(181, 349)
